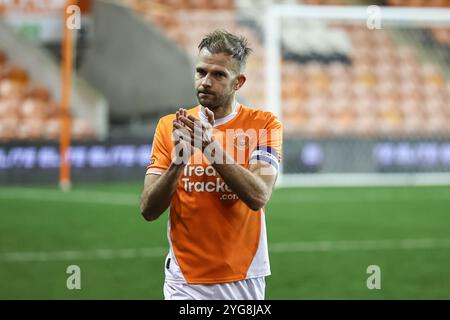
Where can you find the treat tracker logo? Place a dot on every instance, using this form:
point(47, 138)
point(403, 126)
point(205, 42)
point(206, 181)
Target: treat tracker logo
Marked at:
point(217, 185)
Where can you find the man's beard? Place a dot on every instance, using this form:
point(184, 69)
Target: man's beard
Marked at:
point(212, 102)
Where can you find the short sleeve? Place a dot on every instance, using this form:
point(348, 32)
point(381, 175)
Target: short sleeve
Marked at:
point(269, 144)
point(160, 155)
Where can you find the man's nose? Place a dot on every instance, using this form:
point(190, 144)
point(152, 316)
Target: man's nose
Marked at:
point(206, 82)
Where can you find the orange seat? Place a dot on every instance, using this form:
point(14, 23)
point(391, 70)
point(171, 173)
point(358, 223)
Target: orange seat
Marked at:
point(9, 107)
point(30, 129)
point(11, 89)
point(82, 129)
point(52, 129)
point(38, 92)
point(33, 108)
point(8, 127)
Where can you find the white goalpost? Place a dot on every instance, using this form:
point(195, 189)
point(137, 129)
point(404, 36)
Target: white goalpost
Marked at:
point(370, 17)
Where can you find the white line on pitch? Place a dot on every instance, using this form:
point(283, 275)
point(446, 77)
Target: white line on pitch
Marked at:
point(288, 247)
point(127, 199)
point(360, 245)
point(94, 197)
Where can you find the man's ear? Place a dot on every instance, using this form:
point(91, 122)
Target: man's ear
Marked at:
point(240, 80)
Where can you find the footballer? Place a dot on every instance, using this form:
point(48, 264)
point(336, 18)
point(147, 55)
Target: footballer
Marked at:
point(215, 166)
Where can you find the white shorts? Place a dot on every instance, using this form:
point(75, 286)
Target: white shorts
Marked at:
point(248, 289)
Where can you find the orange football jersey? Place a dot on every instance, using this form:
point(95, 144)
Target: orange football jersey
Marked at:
point(214, 236)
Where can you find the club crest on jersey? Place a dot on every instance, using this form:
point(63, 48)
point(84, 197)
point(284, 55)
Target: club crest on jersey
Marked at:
point(241, 141)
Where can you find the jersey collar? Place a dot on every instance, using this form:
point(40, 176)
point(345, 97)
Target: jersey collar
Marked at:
point(223, 120)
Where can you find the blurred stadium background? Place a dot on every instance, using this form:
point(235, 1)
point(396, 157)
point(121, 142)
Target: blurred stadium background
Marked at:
point(366, 159)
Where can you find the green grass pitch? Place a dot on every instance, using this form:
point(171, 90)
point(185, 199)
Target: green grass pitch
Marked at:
point(321, 239)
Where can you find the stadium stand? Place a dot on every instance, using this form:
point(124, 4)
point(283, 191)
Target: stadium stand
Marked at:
point(333, 81)
point(28, 111)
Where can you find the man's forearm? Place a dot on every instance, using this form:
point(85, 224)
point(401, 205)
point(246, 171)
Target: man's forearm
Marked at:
point(247, 186)
point(155, 198)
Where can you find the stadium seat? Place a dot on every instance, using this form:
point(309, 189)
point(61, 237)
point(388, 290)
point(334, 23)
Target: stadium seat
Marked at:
point(82, 129)
point(33, 109)
point(11, 89)
point(30, 129)
point(8, 127)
